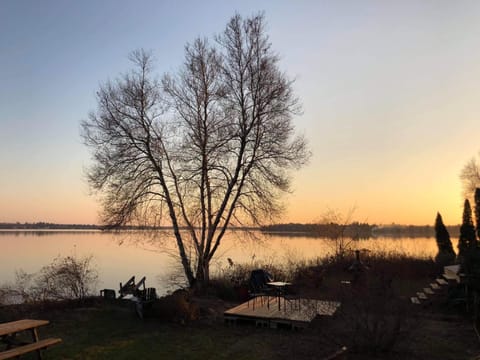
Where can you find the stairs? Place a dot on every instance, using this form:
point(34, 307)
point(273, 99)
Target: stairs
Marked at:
point(422, 297)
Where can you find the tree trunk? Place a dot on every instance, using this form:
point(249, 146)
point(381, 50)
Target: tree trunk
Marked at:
point(203, 274)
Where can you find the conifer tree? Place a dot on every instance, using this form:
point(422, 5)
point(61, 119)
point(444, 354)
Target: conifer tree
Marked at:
point(477, 210)
point(467, 238)
point(446, 254)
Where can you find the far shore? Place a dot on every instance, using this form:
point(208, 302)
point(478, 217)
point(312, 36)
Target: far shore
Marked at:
point(355, 230)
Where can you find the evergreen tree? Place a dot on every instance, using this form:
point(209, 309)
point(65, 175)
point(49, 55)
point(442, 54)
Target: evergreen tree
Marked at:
point(477, 210)
point(446, 254)
point(470, 259)
point(468, 239)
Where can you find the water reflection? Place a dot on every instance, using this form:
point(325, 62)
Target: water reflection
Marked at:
point(120, 255)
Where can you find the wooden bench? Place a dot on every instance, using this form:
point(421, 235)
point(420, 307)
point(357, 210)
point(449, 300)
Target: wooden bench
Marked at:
point(14, 336)
point(24, 349)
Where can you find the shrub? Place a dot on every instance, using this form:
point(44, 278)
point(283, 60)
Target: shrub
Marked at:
point(373, 315)
point(69, 277)
point(177, 307)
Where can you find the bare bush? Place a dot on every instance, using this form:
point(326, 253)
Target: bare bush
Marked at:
point(340, 230)
point(69, 277)
point(374, 317)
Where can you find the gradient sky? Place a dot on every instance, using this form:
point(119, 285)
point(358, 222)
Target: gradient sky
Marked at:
point(390, 93)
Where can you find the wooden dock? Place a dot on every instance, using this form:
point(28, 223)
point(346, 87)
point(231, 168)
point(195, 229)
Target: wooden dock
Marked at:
point(271, 311)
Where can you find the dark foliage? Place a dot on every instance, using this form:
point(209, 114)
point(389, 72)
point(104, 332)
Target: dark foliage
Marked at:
point(467, 238)
point(446, 254)
point(477, 210)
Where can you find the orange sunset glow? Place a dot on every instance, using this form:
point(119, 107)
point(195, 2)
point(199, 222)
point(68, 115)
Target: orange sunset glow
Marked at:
point(388, 90)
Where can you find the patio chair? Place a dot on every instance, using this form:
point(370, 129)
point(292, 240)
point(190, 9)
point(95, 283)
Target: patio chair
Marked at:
point(258, 283)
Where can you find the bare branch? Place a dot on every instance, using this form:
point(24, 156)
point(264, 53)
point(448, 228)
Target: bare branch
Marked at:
point(210, 144)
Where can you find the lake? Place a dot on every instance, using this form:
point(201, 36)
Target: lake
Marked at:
point(120, 255)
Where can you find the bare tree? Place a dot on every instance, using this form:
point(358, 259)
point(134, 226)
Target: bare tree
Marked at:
point(210, 146)
point(340, 231)
point(470, 177)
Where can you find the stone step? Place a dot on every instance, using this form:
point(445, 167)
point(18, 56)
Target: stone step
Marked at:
point(428, 291)
point(441, 281)
point(451, 277)
point(435, 286)
point(415, 300)
point(421, 296)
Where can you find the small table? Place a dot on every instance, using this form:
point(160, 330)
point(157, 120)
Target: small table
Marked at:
point(14, 347)
point(279, 287)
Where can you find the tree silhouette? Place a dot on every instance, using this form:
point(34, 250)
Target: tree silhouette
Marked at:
point(470, 259)
point(467, 238)
point(477, 210)
point(446, 254)
point(205, 148)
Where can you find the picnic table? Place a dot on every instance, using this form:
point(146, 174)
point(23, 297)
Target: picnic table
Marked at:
point(14, 343)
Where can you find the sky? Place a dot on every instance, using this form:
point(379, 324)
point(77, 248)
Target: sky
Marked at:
point(390, 94)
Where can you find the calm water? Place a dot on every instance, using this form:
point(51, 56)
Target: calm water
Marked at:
point(118, 256)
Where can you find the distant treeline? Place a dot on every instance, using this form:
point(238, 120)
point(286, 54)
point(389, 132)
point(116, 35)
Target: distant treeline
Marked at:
point(47, 226)
point(413, 231)
point(52, 226)
point(356, 230)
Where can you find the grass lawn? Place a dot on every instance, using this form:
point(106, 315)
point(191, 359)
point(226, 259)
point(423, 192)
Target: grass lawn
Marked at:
point(109, 331)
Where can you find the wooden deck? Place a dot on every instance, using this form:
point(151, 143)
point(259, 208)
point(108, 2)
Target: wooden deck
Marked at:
point(272, 310)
